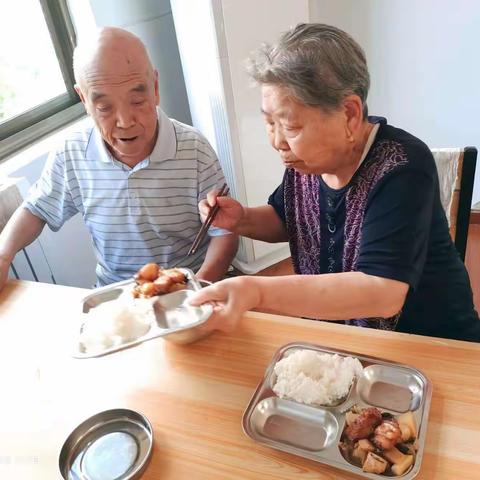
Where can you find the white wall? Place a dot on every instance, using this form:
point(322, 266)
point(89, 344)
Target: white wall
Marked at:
point(262, 166)
point(423, 60)
point(215, 38)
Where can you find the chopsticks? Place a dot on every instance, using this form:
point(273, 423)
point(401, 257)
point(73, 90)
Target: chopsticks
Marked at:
point(224, 191)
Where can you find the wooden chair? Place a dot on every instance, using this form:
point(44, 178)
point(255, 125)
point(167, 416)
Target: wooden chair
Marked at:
point(459, 214)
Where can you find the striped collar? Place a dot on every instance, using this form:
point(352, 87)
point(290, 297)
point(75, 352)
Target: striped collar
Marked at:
point(165, 147)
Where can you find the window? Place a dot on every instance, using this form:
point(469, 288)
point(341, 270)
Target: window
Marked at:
point(37, 93)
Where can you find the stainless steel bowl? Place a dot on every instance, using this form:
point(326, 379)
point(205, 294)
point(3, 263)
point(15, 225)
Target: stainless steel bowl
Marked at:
point(112, 445)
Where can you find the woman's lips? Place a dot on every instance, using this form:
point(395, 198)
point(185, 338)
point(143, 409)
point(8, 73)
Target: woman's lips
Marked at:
point(290, 163)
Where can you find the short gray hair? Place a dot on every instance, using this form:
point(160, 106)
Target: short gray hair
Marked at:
point(318, 63)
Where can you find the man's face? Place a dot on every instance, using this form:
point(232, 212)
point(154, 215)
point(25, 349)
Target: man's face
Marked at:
point(120, 93)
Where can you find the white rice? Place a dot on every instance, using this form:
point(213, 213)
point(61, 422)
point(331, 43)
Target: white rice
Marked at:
point(315, 378)
point(114, 323)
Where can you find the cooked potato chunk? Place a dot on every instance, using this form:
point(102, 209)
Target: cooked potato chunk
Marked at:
point(408, 419)
point(366, 445)
point(360, 454)
point(350, 417)
point(374, 464)
point(406, 433)
point(401, 467)
point(394, 455)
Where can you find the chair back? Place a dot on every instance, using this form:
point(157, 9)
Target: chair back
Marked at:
point(29, 263)
point(456, 171)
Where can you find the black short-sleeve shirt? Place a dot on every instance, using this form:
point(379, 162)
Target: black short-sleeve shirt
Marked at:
point(405, 237)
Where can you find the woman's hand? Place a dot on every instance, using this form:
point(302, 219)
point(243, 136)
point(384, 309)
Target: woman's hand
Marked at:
point(229, 215)
point(230, 298)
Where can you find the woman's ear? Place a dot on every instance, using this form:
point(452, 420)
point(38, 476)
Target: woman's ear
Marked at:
point(353, 109)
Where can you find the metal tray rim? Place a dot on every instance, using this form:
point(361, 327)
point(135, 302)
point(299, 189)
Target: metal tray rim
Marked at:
point(347, 466)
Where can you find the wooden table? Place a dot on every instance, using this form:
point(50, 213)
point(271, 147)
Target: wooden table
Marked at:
point(195, 395)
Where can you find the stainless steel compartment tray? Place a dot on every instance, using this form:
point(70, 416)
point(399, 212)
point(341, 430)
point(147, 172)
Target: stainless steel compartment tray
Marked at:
point(314, 432)
point(176, 316)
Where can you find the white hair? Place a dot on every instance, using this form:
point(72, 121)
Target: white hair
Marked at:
point(318, 63)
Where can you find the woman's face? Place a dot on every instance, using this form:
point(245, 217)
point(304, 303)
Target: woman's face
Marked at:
point(308, 139)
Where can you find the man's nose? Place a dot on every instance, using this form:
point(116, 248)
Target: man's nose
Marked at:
point(125, 118)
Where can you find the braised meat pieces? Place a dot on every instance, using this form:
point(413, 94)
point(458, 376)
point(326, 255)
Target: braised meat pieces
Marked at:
point(364, 425)
point(387, 434)
point(379, 442)
point(152, 280)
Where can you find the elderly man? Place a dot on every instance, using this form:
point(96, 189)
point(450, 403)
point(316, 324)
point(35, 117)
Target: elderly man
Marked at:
point(135, 176)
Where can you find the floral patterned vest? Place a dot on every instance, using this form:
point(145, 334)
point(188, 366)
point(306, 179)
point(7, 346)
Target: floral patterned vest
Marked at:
point(302, 211)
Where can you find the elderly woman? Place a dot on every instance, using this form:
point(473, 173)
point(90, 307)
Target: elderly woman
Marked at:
point(359, 204)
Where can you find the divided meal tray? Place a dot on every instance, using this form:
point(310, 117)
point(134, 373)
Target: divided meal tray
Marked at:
point(315, 432)
point(177, 320)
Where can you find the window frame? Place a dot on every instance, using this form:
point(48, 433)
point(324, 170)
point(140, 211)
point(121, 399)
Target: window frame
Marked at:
point(24, 129)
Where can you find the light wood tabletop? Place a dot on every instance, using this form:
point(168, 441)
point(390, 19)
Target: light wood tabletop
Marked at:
point(195, 395)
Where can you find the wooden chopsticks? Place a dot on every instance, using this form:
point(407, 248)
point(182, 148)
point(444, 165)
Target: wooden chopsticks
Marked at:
point(224, 191)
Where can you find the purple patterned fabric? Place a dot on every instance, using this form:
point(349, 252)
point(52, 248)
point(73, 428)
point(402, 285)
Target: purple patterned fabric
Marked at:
point(302, 210)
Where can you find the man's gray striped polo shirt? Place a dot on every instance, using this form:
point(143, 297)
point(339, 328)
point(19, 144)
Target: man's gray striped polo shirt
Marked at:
point(135, 215)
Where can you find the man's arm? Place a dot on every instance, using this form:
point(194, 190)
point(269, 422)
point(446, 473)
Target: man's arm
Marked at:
point(220, 253)
point(21, 230)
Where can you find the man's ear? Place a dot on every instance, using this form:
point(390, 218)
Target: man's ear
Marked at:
point(156, 87)
point(82, 97)
point(79, 92)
